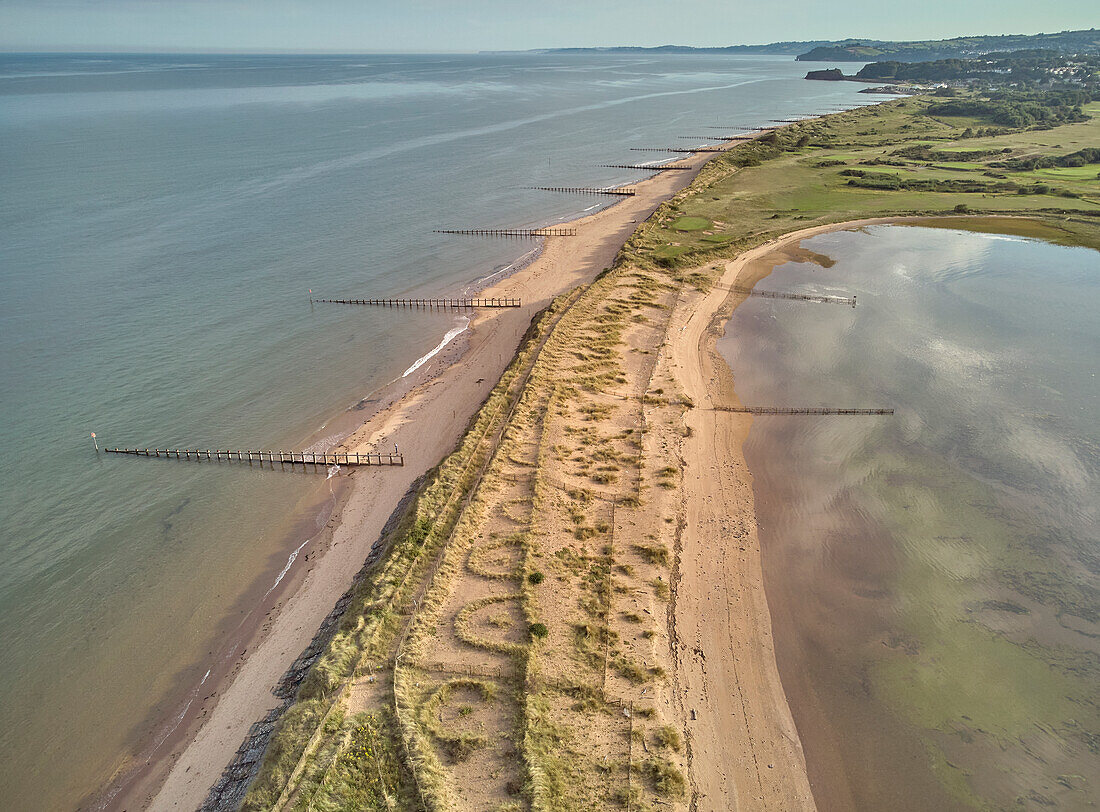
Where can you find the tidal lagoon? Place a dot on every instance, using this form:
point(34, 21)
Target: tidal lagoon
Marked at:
point(933, 575)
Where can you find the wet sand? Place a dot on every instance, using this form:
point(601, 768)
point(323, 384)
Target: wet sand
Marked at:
point(746, 752)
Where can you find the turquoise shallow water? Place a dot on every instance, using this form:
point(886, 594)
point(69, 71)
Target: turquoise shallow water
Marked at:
point(161, 220)
point(934, 576)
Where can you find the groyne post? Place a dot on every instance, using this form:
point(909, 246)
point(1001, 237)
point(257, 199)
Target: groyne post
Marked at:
point(313, 458)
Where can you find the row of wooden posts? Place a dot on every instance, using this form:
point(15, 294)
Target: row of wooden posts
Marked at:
point(281, 457)
point(819, 410)
point(347, 458)
point(776, 294)
point(555, 231)
point(430, 304)
point(617, 191)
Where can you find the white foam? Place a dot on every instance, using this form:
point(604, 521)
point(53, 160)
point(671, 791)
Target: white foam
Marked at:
point(451, 335)
point(507, 268)
point(289, 563)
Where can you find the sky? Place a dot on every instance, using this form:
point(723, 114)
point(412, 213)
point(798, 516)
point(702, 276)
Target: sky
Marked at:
point(472, 25)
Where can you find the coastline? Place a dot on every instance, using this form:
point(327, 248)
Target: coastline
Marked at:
point(846, 769)
point(797, 180)
point(722, 765)
point(209, 733)
point(764, 759)
point(721, 515)
point(746, 747)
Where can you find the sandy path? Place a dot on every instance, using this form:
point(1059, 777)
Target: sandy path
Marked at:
point(745, 749)
point(419, 423)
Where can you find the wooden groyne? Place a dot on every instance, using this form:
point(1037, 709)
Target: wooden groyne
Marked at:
point(429, 304)
point(677, 149)
point(741, 137)
point(280, 457)
point(661, 168)
point(805, 297)
point(807, 410)
point(624, 191)
point(510, 232)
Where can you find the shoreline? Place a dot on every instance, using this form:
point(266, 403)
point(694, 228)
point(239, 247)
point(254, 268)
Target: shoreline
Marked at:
point(180, 777)
point(392, 412)
point(754, 756)
point(763, 760)
point(716, 445)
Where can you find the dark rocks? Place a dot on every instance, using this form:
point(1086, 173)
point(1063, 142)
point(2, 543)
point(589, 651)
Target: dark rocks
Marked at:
point(830, 75)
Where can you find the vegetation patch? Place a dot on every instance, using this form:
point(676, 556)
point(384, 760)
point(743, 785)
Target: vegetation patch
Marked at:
point(667, 737)
point(690, 224)
point(667, 780)
point(653, 553)
point(464, 627)
point(457, 744)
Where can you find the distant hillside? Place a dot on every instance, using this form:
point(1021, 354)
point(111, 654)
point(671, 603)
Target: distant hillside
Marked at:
point(784, 48)
point(1018, 68)
point(1066, 42)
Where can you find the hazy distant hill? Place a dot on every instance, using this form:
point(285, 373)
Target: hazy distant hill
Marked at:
point(873, 50)
point(1085, 41)
point(792, 48)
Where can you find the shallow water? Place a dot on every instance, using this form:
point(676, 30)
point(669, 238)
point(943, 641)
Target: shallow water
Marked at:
point(933, 576)
point(161, 221)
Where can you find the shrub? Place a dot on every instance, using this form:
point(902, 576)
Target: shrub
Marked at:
point(462, 747)
point(653, 553)
point(631, 670)
point(535, 577)
point(420, 530)
point(539, 631)
point(628, 797)
point(668, 737)
point(667, 780)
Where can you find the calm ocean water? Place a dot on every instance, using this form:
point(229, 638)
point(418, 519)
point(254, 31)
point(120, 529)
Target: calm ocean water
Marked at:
point(934, 576)
point(161, 219)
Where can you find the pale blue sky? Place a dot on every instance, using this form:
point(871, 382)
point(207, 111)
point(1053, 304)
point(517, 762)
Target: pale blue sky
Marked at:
point(442, 25)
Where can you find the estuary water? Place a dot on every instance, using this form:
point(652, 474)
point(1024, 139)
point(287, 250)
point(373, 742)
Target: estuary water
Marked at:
point(933, 576)
point(162, 219)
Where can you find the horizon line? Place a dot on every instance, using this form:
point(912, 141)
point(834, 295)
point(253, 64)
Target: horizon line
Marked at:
point(264, 51)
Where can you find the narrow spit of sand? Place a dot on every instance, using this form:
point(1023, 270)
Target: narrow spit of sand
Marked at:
point(426, 423)
point(745, 749)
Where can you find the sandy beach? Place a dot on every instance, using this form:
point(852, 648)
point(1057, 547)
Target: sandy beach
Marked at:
point(425, 424)
point(745, 752)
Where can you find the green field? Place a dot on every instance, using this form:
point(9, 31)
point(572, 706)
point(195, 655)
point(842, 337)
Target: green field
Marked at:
point(1074, 174)
point(759, 190)
point(690, 223)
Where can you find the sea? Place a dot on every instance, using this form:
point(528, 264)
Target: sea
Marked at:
point(933, 575)
point(163, 220)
